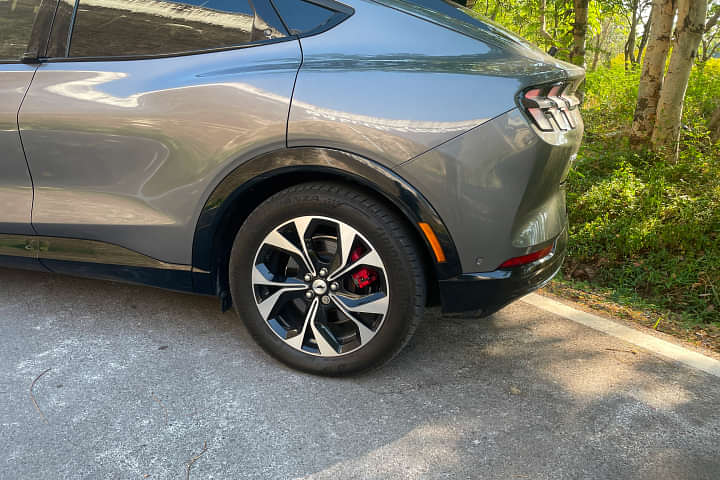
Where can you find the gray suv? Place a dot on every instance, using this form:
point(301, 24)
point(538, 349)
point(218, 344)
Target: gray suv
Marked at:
point(327, 169)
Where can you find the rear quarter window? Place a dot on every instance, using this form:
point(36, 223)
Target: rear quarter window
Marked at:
point(305, 18)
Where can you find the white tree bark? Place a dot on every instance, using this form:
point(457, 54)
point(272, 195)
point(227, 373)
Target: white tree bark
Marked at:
point(542, 5)
point(688, 33)
point(651, 80)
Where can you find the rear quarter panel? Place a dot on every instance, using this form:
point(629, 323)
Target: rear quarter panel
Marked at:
point(390, 86)
point(498, 188)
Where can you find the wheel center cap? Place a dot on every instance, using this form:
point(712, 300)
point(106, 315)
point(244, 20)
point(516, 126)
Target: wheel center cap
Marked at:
point(320, 287)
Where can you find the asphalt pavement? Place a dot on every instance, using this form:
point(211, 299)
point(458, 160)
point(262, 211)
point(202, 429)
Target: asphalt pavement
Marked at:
point(142, 381)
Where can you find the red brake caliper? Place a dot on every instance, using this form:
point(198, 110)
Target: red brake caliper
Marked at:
point(365, 276)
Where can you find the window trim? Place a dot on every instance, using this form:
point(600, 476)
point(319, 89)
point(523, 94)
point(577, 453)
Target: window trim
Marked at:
point(60, 28)
point(68, 24)
point(125, 58)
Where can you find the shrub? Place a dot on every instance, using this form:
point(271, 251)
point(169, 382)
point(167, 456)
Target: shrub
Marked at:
point(644, 226)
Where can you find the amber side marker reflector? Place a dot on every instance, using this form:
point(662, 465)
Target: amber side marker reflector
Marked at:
point(434, 243)
point(530, 257)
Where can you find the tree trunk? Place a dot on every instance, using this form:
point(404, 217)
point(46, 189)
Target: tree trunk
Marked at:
point(689, 31)
point(596, 53)
point(651, 80)
point(708, 43)
point(714, 125)
point(644, 39)
point(630, 44)
point(543, 23)
point(579, 32)
point(606, 31)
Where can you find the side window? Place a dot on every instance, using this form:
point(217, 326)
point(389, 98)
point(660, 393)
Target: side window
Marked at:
point(157, 27)
point(309, 17)
point(16, 24)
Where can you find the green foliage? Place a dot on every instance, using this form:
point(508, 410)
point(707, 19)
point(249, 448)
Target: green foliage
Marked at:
point(703, 93)
point(610, 99)
point(523, 17)
point(645, 227)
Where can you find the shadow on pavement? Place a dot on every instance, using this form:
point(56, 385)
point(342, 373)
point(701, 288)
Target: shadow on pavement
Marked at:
point(142, 377)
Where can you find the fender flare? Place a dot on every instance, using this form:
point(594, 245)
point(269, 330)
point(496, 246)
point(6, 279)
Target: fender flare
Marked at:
point(307, 161)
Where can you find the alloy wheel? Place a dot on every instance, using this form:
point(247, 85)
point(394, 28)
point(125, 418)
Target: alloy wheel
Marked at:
point(320, 286)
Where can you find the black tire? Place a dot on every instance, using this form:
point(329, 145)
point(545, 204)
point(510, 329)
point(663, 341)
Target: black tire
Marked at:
point(388, 235)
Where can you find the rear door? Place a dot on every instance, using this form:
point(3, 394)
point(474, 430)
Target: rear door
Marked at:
point(138, 111)
point(17, 18)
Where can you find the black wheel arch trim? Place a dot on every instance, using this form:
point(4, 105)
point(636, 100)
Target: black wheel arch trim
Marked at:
point(305, 162)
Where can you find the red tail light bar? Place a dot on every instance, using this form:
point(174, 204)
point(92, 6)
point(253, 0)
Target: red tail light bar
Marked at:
point(550, 105)
point(530, 257)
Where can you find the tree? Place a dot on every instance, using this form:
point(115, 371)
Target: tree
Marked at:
point(606, 30)
point(630, 44)
point(651, 80)
point(582, 31)
point(643, 39)
point(542, 8)
point(636, 9)
point(580, 27)
point(710, 41)
point(689, 31)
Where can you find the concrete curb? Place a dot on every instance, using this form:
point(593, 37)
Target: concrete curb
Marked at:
point(648, 342)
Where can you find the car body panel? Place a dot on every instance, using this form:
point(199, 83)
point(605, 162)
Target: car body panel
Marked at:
point(471, 24)
point(127, 151)
point(16, 194)
point(90, 258)
point(498, 188)
point(406, 88)
point(138, 162)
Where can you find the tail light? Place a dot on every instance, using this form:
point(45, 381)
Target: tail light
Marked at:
point(549, 106)
point(529, 258)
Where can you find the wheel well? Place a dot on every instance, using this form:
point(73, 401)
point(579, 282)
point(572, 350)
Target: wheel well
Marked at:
point(244, 204)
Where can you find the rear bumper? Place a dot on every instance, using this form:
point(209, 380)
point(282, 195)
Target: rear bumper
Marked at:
point(482, 294)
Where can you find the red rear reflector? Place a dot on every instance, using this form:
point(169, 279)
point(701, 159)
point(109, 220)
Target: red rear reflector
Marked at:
point(530, 257)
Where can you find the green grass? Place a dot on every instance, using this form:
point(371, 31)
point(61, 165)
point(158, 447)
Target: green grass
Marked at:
point(645, 228)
